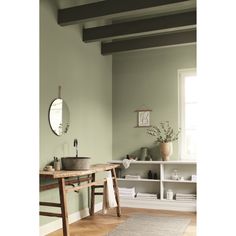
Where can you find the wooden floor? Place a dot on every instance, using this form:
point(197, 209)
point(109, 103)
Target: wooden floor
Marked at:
point(100, 225)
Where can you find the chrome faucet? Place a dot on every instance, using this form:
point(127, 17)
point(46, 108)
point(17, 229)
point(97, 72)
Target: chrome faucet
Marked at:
point(76, 147)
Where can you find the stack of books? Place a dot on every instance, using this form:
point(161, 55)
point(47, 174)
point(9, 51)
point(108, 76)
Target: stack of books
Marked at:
point(132, 177)
point(127, 193)
point(186, 197)
point(146, 196)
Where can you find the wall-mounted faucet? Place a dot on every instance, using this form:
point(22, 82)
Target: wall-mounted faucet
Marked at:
point(76, 147)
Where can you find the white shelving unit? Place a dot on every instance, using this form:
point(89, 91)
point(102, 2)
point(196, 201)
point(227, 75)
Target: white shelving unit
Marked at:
point(159, 186)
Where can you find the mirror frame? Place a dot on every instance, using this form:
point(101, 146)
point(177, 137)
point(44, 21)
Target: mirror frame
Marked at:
point(64, 129)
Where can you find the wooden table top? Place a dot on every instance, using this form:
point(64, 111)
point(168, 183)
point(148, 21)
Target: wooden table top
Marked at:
point(72, 173)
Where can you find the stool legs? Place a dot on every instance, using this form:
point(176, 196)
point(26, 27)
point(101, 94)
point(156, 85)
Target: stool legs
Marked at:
point(64, 212)
point(118, 210)
point(92, 196)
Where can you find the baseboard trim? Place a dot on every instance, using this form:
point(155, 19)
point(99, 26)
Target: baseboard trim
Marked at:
point(57, 224)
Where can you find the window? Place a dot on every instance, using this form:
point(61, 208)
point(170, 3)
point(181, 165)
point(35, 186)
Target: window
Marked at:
point(188, 114)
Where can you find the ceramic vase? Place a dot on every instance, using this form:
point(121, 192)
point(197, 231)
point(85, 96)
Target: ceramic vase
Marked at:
point(143, 153)
point(166, 150)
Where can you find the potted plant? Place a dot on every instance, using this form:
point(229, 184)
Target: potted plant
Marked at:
point(164, 135)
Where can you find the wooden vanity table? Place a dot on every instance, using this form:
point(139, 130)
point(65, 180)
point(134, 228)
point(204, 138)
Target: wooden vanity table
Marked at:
point(87, 176)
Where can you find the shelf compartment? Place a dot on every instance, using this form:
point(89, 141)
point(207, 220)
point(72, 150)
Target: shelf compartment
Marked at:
point(178, 188)
point(183, 170)
point(140, 170)
point(148, 187)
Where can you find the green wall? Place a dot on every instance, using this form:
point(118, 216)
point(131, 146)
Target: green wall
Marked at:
point(146, 79)
point(86, 79)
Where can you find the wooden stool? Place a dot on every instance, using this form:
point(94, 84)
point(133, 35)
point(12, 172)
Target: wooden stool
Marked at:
point(116, 191)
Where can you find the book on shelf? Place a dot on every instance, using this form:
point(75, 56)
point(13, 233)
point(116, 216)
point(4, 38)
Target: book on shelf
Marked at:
point(146, 196)
point(127, 192)
point(132, 177)
point(186, 194)
point(185, 197)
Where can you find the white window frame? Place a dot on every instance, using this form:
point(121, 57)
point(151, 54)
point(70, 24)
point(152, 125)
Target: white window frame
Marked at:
point(182, 73)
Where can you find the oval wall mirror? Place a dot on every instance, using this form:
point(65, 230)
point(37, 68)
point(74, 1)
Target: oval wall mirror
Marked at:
point(59, 117)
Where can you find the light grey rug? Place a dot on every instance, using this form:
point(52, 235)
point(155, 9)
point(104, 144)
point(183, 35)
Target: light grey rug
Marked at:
point(145, 225)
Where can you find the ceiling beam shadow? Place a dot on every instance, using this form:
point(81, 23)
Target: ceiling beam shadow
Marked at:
point(149, 42)
point(140, 27)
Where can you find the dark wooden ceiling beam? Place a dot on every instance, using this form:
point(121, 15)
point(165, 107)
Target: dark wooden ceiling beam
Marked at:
point(137, 27)
point(149, 42)
point(107, 9)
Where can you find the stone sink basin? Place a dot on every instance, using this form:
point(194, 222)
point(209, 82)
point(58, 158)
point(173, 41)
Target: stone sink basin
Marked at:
point(75, 163)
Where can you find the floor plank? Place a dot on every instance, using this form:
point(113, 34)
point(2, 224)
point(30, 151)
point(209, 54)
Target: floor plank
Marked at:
point(100, 225)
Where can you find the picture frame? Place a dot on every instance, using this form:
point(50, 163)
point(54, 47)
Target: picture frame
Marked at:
point(143, 118)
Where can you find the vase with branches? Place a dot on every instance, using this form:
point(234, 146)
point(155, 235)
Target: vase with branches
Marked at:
point(164, 135)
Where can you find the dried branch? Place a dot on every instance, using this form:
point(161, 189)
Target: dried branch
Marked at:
point(164, 134)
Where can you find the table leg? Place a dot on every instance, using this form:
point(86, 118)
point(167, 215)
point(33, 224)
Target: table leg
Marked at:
point(64, 211)
point(118, 210)
point(92, 196)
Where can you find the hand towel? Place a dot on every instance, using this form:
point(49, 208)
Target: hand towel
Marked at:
point(126, 163)
point(109, 199)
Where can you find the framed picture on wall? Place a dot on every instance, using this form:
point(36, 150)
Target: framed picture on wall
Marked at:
point(143, 118)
